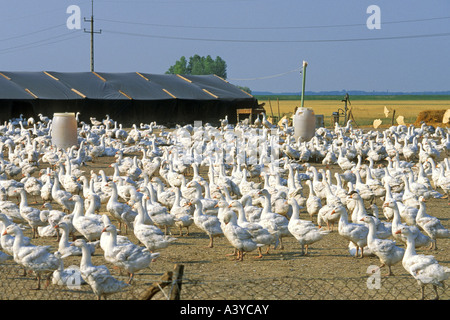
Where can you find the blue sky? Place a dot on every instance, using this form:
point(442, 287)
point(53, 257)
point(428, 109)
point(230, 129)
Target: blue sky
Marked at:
point(263, 41)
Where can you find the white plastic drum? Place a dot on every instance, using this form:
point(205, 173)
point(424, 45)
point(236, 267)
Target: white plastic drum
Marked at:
point(64, 130)
point(304, 124)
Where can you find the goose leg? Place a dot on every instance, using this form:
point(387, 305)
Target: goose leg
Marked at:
point(241, 256)
point(131, 278)
point(281, 244)
point(357, 250)
point(211, 242)
point(260, 254)
point(39, 283)
point(437, 294)
point(389, 272)
point(234, 253)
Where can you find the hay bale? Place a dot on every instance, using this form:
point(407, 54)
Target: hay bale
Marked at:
point(401, 120)
point(377, 123)
point(430, 117)
point(446, 118)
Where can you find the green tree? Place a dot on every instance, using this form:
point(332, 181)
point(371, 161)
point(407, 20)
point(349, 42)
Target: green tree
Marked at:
point(180, 67)
point(199, 65)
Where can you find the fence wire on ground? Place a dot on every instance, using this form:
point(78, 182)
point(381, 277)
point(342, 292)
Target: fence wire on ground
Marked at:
point(16, 285)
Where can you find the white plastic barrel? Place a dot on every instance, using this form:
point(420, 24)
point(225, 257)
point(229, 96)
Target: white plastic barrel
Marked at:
point(304, 124)
point(64, 130)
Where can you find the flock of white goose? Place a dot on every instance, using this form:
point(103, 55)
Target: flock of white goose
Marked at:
point(253, 194)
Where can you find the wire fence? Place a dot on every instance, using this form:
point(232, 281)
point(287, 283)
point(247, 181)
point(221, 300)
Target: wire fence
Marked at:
point(15, 284)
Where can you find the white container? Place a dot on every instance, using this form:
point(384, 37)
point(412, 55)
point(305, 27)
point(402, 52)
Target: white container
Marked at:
point(64, 130)
point(304, 124)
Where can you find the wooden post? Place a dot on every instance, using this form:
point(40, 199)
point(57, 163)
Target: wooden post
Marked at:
point(279, 113)
point(270, 104)
point(176, 282)
point(393, 115)
point(166, 279)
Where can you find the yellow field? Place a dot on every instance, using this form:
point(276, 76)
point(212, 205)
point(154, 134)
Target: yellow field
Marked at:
point(364, 111)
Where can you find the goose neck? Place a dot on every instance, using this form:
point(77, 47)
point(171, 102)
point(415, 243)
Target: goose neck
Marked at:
point(86, 260)
point(64, 241)
point(410, 247)
point(198, 209)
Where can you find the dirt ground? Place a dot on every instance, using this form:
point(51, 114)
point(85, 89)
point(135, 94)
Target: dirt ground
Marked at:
point(327, 259)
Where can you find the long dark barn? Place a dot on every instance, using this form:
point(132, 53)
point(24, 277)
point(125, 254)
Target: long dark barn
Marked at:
point(129, 98)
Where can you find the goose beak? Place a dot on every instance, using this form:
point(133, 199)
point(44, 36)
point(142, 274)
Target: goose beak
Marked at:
point(398, 231)
point(5, 233)
point(333, 211)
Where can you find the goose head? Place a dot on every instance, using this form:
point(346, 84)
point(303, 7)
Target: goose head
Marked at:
point(79, 243)
point(368, 220)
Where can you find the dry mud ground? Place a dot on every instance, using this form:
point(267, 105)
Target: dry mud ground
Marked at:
point(327, 259)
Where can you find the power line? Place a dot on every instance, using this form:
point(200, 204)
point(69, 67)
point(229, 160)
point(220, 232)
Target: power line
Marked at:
point(267, 28)
point(52, 40)
point(445, 34)
point(269, 77)
point(31, 33)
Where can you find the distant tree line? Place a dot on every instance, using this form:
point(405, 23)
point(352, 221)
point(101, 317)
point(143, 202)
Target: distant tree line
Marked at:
point(199, 65)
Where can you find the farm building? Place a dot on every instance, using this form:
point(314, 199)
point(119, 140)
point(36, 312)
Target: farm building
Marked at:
point(126, 97)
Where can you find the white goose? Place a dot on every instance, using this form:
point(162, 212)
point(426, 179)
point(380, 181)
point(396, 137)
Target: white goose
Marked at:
point(354, 232)
point(32, 257)
point(64, 246)
point(252, 212)
point(116, 208)
point(182, 213)
point(12, 210)
point(260, 234)
point(62, 197)
point(208, 204)
point(425, 269)
point(240, 238)
point(208, 223)
point(89, 226)
point(70, 277)
point(305, 231)
point(432, 226)
point(159, 214)
point(422, 240)
point(98, 277)
point(386, 250)
point(152, 237)
point(128, 257)
point(51, 217)
point(7, 241)
point(275, 223)
point(30, 214)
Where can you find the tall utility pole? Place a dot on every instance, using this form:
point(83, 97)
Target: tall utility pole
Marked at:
point(92, 34)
